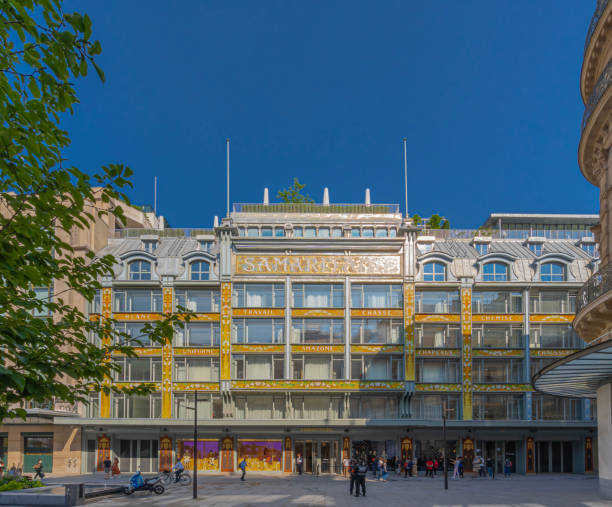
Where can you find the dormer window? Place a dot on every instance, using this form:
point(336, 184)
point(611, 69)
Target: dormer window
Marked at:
point(536, 248)
point(552, 272)
point(590, 248)
point(200, 270)
point(482, 248)
point(434, 272)
point(149, 245)
point(205, 245)
point(139, 270)
point(297, 232)
point(495, 272)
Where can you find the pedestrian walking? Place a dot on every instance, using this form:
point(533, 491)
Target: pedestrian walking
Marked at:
point(353, 472)
point(1, 468)
point(456, 468)
point(115, 468)
point(507, 468)
point(243, 467)
point(429, 468)
point(461, 466)
point(299, 463)
point(346, 463)
point(362, 470)
point(436, 465)
point(379, 468)
point(107, 468)
point(490, 467)
point(38, 468)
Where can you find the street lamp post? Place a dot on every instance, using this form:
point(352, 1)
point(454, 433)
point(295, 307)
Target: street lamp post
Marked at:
point(444, 410)
point(195, 446)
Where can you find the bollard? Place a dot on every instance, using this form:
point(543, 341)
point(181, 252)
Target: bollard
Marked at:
point(74, 494)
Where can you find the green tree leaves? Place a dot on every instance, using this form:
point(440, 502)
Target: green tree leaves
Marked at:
point(293, 193)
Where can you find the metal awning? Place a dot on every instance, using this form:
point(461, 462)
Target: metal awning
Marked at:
point(579, 374)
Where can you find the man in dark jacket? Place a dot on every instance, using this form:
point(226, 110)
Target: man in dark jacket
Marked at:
point(353, 471)
point(362, 470)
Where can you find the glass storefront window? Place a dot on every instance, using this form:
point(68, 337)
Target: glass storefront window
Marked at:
point(498, 371)
point(553, 302)
point(437, 302)
point(438, 336)
point(313, 331)
point(258, 295)
point(376, 368)
point(389, 331)
point(437, 370)
point(258, 330)
point(317, 367)
point(198, 334)
point(376, 296)
point(497, 302)
point(198, 300)
point(311, 295)
point(261, 455)
point(208, 453)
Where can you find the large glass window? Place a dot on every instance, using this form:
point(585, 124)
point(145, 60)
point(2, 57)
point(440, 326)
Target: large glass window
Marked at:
point(497, 336)
point(553, 336)
point(200, 270)
point(552, 272)
point(495, 272)
point(258, 295)
point(260, 407)
point(313, 407)
point(497, 302)
point(311, 295)
point(430, 406)
point(140, 407)
point(439, 336)
point(198, 300)
point(92, 409)
point(137, 300)
point(538, 364)
point(317, 367)
point(373, 406)
point(210, 406)
point(138, 369)
point(257, 367)
point(196, 369)
point(136, 337)
point(377, 331)
point(258, 330)
point(504, 371)
point(376, 296)
point(45, 296)
point(139, 270)
point(434, 272)
point(437, 302)
point(498, 406)
point(96, 303)
point(437, 370)
point(367, 367)
point(198, 334)
point(314, 331)
point(556, 408)
point(553, 302)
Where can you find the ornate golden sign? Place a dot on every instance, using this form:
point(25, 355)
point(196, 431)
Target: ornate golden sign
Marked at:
point(318, 264)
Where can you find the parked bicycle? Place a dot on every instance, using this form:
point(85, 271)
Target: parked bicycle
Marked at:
point(168, 477)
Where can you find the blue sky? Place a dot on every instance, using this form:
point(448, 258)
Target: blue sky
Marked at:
point(487, 93)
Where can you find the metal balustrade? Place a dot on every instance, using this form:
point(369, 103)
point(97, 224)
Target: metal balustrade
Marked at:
point(598, 285)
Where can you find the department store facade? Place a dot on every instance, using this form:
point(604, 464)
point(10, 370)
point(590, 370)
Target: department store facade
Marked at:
point(343, 330)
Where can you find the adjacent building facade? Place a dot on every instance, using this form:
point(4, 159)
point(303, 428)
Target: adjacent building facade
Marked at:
point(589, 372)
point(342, 330)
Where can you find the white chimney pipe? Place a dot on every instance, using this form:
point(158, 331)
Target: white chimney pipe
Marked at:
point(266, 197)
point(216, 221)
point(326, 197)
point(367, 197)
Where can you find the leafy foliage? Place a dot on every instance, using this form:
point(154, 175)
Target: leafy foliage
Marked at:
point(435, 221)
point(10, 483)
point(294, 193)
point(416, 219)
point(43, 203)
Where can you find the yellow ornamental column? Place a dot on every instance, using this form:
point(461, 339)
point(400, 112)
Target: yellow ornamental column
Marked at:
point(107, 307)
point(226, 330)
point(409, 328)
point(466, 355)
point(167, 360)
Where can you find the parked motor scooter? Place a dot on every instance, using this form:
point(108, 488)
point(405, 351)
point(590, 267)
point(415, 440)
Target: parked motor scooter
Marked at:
point(137, 483)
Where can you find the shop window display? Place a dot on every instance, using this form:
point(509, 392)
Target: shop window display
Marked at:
point(261, 455)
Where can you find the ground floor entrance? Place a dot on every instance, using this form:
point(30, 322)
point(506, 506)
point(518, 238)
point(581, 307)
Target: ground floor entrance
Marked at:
point(318, 456)
point(556, 457)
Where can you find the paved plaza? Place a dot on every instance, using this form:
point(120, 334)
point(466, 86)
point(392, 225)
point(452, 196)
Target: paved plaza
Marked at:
point(267, 490)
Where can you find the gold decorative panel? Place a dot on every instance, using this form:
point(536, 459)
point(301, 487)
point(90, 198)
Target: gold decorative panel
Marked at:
point(138, 316)
point(437, 317)
point(318, 264)
point(195, 386)
point(257, 347)
point(202, 317)
point(551, 352)
point(496, 317)
point(143, 351)
point(558, 318)
point(226, 329)
point(367, 312)
point(438, 352)
point(409, 331)
point(502, 388)
point(258, 312)
point(377, 349)
point(317, 312)
point(497, 353)
point(317, 384)
point(196, 351)
point(317, 349)
point(107, 309)
point(456, 388)
point(466, 351)
point(167, 360)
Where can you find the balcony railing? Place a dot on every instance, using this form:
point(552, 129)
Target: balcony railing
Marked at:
point(570, 234)
point(600, 88)
point(310, 207)
point(598, 285)
point(162, 233)
point(601, 7)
